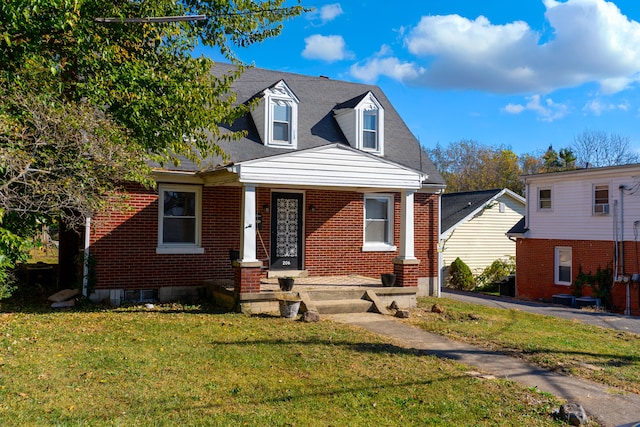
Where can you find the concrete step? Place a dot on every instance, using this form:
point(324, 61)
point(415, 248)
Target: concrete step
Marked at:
point(343, 306)
point(326, 295)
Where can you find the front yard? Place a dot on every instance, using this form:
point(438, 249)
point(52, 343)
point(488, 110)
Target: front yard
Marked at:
point(189, 365)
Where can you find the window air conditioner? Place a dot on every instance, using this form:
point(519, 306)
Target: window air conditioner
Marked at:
point(601, 208)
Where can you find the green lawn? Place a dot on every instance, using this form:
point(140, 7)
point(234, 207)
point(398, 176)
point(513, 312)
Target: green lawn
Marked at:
point(190, 366)
point(603, 355)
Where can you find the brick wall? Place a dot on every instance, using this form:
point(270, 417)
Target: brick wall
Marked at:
point(124, 240)
point(535, 268)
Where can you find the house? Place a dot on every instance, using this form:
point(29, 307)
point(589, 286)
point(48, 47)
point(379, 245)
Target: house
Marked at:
point(327, 181)
point(474, 226)
point(581, 221)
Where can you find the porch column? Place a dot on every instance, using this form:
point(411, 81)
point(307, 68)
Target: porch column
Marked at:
point(247, 268)
point(406, 265)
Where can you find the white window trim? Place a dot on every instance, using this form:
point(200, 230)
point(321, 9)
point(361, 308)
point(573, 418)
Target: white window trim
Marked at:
point(368, 104)
point(180, 248)
point(280, 93)
point(593, 202)
point(379, 246)
point(556, 265)
point(539, 208)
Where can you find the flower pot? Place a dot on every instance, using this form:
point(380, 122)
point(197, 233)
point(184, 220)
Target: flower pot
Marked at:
point(388, 279)
point(289, 309)
point(286, 283)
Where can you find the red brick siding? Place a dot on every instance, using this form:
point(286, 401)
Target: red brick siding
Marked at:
point(124, 241)
point(535, 268)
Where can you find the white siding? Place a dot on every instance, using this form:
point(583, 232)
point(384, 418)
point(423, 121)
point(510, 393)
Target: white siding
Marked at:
point(571, 216)
point(482, 240)
point(329, 166)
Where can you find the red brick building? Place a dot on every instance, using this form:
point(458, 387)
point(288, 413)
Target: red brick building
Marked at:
point(327, 181)
point(581, 226)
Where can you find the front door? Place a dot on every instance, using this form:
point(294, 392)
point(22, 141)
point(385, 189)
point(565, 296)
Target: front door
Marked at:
point(286, 231)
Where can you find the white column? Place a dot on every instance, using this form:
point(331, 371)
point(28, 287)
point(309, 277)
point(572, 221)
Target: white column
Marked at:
point(248, 233)
point(407, 235)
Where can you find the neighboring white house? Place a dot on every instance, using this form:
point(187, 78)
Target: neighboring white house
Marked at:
point(581, 221)
point(474, 226)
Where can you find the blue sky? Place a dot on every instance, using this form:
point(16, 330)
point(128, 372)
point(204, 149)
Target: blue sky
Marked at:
point(524, 74)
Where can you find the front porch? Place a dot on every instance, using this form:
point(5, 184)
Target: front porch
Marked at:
point(324, 294)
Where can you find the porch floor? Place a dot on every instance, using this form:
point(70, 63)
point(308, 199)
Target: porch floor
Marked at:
point(324, 283)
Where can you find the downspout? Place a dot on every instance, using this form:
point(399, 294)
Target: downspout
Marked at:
point(439, 248)
point(87, 244)
point(625, 279)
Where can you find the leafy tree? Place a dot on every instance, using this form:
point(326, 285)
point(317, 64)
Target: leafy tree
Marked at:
point(468, 165)
point(597, 148)
point(86, 103)
point(553, 161)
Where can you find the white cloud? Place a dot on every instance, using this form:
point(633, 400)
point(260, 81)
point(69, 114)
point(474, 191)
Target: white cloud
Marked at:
point(547, 109)
point(325, 48)
point(326, 13)
point(591, 41)
point(597, 107)
point(371, 69)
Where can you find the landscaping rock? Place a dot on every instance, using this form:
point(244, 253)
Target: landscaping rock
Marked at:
point(64, 304)
point(311, 316)
point(574, 414)
point(64, 295)
point(437, 308)
point(402, 314)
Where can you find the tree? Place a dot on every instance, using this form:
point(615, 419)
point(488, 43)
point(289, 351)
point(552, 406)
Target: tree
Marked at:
point(595, 148)
point(85, 103)
point(468, 165)
point(553, 161)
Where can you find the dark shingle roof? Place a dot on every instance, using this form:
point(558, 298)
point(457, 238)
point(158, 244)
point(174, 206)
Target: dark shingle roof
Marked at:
point(456, 206)
point(519, 228)
point(316, 125)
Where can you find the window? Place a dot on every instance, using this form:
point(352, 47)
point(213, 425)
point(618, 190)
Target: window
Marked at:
point(179, 219)
point(370, 130)
point(563, 261)
point(281, 122)
point(544, 198)
point(378, 222)
point(600, 199)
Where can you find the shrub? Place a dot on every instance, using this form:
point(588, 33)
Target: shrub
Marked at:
point(498, 268)
point(460, 276)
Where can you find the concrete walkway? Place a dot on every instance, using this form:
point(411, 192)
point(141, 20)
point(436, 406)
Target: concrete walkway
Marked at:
point(609, 407)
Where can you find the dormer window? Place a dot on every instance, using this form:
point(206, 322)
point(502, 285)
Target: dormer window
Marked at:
point(276, 116)
point(281, 122)
point(362, 122)
point(370, 130)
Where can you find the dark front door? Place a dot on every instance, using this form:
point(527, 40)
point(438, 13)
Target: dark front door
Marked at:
point(286, 231)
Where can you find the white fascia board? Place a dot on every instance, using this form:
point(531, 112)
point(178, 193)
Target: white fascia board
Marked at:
point(178, 177)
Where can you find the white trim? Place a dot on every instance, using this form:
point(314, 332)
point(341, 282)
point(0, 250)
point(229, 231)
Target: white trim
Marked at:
point(540, 208)
point(280, 93)
point(556, 265)
point(600, 209)
point(180, 248)
point(379, 246)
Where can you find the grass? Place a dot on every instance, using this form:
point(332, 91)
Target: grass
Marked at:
point(191, 366)
point(603, 355)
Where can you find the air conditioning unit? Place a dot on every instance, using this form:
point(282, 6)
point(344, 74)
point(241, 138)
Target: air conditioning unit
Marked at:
point(601, 208)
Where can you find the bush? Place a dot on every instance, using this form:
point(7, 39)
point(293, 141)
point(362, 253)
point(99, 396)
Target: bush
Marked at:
point(498, 268)
point(460, 276)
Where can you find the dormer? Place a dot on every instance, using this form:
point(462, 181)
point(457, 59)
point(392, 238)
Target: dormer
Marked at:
point(361, 120)
point(276, 116)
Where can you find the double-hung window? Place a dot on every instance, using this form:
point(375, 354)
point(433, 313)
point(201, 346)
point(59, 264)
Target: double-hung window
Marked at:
point(562, 264)
point(544, 199)
point(281, 122)
point(370, 130)
point(378, 223)
point(600, 199)
point(179, 219)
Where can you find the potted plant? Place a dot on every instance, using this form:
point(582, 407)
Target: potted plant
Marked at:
point(286, 283)
point(388, 279)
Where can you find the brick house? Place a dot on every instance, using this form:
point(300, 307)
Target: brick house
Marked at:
point(327, 181)
point(581, 221)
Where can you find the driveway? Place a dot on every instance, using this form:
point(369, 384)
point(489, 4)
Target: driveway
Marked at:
point(598, 318)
